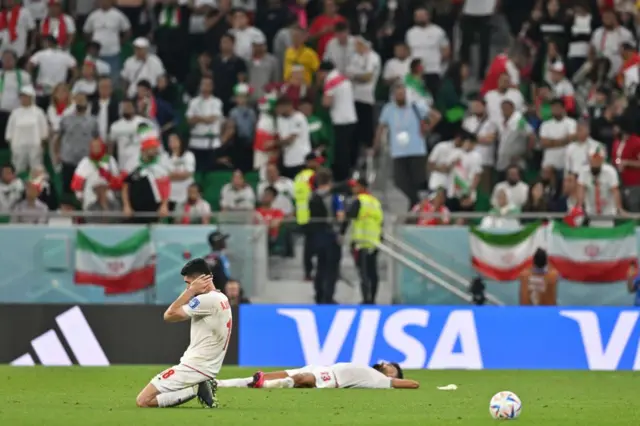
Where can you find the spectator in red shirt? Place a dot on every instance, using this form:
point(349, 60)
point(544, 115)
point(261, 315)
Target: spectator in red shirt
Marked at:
point(626, 156)
point(322, 28)
point(294, 89)
point(267, 214)
point(427, 210)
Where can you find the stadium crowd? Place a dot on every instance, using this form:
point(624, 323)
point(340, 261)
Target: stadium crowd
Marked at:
point(200, 106)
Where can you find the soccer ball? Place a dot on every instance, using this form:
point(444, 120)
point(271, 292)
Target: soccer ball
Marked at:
point(505, 405)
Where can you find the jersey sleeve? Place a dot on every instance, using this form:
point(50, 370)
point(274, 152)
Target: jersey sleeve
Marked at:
point(200, 306)
point(378, 381)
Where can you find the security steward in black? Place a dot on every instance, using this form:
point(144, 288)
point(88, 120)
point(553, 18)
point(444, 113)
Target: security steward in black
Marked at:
point(327, 213)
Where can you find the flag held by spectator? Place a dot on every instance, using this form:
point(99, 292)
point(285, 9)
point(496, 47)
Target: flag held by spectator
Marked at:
point(126, 267)
point(503, 257)
point(593, 254)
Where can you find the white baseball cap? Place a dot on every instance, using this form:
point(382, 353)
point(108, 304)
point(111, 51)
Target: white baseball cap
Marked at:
point(141, 43)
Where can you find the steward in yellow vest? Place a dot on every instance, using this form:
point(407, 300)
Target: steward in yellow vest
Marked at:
point(303, 185)
point(367, 218)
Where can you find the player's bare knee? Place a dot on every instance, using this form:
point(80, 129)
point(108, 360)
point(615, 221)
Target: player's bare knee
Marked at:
point(143, 401)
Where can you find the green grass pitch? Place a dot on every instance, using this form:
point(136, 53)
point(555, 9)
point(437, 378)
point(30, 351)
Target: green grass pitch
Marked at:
point(79, 396)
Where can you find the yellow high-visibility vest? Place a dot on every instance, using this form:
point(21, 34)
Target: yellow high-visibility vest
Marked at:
point(367, 227)
point(301, 194)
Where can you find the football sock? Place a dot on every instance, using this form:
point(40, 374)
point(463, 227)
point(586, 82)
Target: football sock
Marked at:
point(278, 383)
point(171, 399)
point(235, 383)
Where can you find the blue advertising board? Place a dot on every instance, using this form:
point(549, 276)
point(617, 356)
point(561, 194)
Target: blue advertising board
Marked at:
point(441, 337)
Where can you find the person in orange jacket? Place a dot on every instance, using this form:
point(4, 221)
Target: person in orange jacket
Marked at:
point(538, 284)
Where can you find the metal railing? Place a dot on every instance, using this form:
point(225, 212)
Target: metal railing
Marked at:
point(242, 215)
point(425, 273)
point(453, 276)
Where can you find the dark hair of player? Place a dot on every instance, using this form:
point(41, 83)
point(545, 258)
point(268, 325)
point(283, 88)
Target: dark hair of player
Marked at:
point(400, 372)
point(540, 258)
point(379, 367)
point(197, 266)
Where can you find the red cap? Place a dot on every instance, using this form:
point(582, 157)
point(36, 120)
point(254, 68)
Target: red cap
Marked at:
point(150, 143)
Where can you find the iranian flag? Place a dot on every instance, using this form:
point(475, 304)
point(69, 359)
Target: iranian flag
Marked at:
point(503, 257)
point(593, 254)
point(126, 267)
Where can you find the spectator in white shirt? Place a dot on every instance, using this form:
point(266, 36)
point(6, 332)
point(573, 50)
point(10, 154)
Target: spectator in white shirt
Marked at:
point(205, 116)
point(123, 136)
point(464, 177)
point(58, 25)
point(501, 215)
point(182, 165)
point(516, 137)
point(606, 40)
point(13, 79)
point(562, 87)
point(505, 91)
point(517, 191)
point(430, 44)
point(60, 105)
point(577, 155)
point(292, 137)
point(19, 26)
point(486, 132)
point(237, 195)
point(38, 8)
point(54, 67)
point(555, 134)
point(364, 71)
point(88, 81)
point(439, 162)
point(93, 54)
point(109, 27)
point(26, 130)
point(340, 48)
point(599, 189)
point(396, 68)
point(244, 34)
point(11, 188)
point(338, 97)
point(195, 209)
point(141, 66)
point(282, 184)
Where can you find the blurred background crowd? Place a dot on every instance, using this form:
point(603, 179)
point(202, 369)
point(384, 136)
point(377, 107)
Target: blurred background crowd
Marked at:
point(182, 109)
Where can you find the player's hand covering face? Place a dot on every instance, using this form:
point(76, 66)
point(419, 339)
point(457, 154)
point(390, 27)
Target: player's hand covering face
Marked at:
point(200, 284)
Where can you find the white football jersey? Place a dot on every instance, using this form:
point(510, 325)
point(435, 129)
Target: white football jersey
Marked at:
point(349, 375)
point(210, 332)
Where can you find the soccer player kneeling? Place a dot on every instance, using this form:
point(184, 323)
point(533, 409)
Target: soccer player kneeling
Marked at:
point(210, 315)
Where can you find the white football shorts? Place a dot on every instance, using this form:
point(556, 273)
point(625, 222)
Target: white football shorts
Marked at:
point(178, 377)
point(325, 377)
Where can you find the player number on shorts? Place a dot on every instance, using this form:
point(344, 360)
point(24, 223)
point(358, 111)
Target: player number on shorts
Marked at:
point(229, 324)
point(325, 377)
point(168, 373)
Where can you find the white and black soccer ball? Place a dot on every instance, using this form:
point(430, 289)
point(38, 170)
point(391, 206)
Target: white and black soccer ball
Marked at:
point(505, 405)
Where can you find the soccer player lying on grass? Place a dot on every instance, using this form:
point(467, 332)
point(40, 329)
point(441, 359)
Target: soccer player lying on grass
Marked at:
point(210, 315)
point(342, 375)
